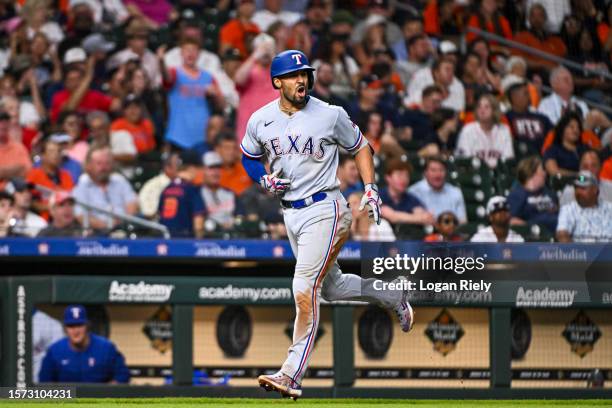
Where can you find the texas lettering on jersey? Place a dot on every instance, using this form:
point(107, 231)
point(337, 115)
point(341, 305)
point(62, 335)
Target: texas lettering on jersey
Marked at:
point(295, 144)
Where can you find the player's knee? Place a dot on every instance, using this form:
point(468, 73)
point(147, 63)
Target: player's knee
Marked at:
point(303, 302)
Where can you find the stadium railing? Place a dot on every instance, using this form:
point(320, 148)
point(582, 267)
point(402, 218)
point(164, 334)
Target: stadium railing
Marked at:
point(550, 57)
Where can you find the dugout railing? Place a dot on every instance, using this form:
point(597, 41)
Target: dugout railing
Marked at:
point(29, 280)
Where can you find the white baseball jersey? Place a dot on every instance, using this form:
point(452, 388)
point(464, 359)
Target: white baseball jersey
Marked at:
point(474, 142)
point(304, 145)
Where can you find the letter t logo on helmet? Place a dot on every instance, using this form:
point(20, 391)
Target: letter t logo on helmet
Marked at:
point(291, 61)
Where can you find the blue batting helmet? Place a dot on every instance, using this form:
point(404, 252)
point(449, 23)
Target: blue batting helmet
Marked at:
point(290, 61)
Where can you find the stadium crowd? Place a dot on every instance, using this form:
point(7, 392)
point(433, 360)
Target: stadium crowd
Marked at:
point(137, 107)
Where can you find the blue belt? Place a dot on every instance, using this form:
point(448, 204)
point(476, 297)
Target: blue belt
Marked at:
point(297, 204)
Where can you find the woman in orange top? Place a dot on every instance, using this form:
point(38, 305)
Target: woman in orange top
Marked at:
point(136, 124)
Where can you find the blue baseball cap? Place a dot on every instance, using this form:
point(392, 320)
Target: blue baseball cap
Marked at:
point(75, 315)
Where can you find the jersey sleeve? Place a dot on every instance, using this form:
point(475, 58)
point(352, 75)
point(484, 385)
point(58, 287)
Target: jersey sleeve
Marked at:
point(251, 146)
point(347, 133)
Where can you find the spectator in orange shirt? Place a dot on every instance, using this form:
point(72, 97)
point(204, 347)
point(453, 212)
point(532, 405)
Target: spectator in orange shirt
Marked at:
point(538, 37)
point(136, 124)
point(233, 175)
point(488, 18)
point(14, 158)
point(240, 31)
point(49, 174)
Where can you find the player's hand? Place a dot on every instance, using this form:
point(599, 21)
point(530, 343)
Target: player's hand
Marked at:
point(372, 200)
point(273, 183)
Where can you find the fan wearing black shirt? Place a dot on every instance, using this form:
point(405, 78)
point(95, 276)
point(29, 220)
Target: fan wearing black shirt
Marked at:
point(526, 126)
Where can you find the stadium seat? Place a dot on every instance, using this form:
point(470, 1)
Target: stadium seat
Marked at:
point(409, 232)
point(143, 171)
point(468, 229)
point(533, 233)
point(559, 182)
point(523, 149)
point(247, 228)
point(476, 212)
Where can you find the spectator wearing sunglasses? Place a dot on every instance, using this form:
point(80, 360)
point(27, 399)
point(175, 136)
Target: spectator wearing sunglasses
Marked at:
point(445, 229)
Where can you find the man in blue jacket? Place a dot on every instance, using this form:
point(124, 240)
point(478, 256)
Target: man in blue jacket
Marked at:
point(81, 356)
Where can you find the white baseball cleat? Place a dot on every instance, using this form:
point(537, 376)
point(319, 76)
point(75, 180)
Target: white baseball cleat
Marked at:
point(280, 383)
point(404, 312)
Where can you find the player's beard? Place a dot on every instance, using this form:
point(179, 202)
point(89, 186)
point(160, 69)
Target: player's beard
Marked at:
point(298, 97)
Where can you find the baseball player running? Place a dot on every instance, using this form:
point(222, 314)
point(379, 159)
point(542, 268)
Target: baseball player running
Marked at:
point(300, 136)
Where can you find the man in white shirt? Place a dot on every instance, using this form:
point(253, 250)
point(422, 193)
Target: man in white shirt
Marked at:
point(498, 212)
point(438, 195)
point(273, 12)
point(104, 189)
point(442, 73)
point(562, 99)
point(588, 219)
point(419, 57)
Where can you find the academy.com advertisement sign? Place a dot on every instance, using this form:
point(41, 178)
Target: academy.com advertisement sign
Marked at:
point(520, 275)
point(169, 289)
